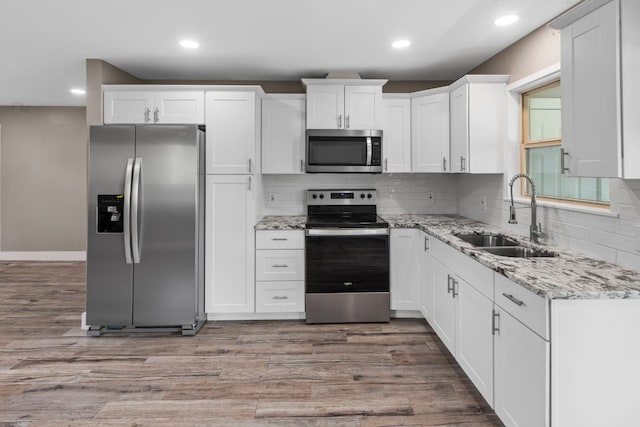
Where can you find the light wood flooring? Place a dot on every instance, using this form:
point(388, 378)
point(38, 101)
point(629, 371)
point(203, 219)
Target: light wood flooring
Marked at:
point(268, 373)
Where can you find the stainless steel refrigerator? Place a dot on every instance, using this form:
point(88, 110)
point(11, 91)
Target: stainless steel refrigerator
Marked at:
point(145, 248)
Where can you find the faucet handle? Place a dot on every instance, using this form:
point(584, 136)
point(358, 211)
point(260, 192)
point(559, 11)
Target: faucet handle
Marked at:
point(512, 215)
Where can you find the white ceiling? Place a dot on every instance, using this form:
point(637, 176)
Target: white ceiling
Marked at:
point(44, 43)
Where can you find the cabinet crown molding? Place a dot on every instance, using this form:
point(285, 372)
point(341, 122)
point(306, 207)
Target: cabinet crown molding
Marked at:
point(577, 12)
point(346, 82)
point(479, 78)
point(181, 88)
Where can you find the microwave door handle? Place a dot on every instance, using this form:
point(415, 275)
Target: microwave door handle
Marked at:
point(369, 151)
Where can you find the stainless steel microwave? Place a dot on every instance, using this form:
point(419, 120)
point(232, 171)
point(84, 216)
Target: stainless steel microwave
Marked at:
point(343, 151)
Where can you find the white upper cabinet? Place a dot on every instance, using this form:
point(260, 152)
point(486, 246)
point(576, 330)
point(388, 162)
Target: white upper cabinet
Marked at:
point(233, 132)
point(599, 58)
point(153, 107)
point(283, 132)
point(396, 144)
point(478, 125)
point(430, 132)
point(344, 104)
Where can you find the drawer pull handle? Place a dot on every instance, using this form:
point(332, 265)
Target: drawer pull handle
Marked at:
point(495, 323)
point(279, 239)
point(514, 300)
point(280, 298)
point(279, 266)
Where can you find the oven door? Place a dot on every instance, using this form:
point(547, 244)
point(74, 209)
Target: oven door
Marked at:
point(347, 260)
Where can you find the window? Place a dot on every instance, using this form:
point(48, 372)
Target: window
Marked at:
point(540, 152)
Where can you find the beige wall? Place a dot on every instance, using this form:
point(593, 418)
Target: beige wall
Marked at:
point(534, 52)
point(43, 178)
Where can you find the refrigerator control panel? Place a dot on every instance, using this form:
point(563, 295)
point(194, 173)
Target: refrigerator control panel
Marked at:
point(110, 213)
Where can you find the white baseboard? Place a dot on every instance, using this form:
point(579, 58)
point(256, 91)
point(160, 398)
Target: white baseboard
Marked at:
point(43, 256)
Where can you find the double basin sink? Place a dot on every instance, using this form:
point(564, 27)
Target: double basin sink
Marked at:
point(503, 246)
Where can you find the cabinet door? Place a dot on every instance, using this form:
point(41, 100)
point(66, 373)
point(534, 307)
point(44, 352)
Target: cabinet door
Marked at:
point(231, 132)
point(325, 107)
point(444, 305)
point(229, 265)
point(405, 269)
point(179, 107)
point(396, 144)
point(430, 133)
point(521, 374)
point(474, 346)
point(426, 279)
point(363, 107)
point(590, 90)
point(283, 133)
point(128, 107)
point(460, 129)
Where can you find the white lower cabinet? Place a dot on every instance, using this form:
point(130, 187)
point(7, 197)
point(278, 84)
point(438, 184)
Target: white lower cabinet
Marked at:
point(426, 278)
point(521, 374)
point(229, 243)
point(444, 305)
point(280, 271)
point(405, 269)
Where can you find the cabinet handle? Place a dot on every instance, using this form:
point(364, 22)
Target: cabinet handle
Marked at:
point(339, 121)
point(156, 115)
point(495, 322)
point(346, 122)
point(514, 300)
point(250, 166)
point(563, 169)
point(462, 165)
point(279, 266)
point(280, 298)
point(147, 116)
point(301, 165)
point(279, 238)
point(386, 165)
point(455, 288)
point(249, 183)
point(426, 243)
point(449, 283)
point(444, 164)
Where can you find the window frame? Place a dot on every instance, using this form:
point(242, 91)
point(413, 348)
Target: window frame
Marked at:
point(525, 143)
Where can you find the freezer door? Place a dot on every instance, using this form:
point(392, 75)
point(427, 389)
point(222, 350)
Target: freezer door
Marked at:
point(109, 276)
point(165, 242)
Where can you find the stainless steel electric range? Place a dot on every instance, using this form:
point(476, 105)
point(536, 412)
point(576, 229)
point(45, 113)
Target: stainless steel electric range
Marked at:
point(347, 258)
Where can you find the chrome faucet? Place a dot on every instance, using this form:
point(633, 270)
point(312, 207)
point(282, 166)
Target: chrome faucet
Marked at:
point(535, 230)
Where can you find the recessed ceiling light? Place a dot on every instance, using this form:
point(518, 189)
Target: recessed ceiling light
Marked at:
point(189, 44)
point(77, 91)
point(506, 20)
point(399, 44)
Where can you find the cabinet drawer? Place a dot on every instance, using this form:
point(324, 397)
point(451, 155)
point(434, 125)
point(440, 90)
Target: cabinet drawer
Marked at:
point(280, 297)
point(285, 264)
point(530, 309)
point(280, 239)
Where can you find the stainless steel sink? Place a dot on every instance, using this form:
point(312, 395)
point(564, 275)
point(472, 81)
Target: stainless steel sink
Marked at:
point(520, 252)
point(487, 240)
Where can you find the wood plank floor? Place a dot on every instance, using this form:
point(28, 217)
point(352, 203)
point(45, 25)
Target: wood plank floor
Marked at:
point(272, 373)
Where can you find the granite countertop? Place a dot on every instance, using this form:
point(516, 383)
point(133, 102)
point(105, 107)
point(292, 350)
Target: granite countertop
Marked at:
point(283, 222)
point(571, 275)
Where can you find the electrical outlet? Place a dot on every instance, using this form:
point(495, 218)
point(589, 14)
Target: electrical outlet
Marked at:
point(483, 202)
point(431, 197)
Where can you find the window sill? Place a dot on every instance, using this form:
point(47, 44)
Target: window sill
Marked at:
point(567, 207)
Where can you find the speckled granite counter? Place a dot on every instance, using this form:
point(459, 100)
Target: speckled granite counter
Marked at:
point(293, 222)
point(569, 276)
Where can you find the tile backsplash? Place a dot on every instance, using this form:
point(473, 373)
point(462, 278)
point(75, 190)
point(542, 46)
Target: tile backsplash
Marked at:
point(397, 193)
point(613, 236)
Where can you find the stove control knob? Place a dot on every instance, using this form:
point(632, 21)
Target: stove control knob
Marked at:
point(362, 195)
point(321, 196)
point(315, 196)
point(369, 196)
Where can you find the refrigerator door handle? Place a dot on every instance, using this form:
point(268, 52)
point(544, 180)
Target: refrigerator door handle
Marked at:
point(127, 210)
point(135, 205)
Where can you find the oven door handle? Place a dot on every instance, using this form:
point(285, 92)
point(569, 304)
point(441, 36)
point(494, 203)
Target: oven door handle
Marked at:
point(328, 232)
